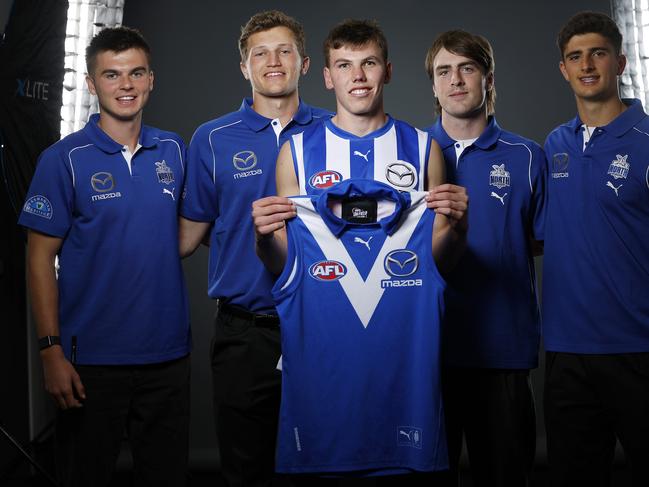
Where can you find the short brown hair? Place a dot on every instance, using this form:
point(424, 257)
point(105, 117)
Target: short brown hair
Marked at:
point(355, 33)
point(116, 39)
point(472, 46)
point(262, 21)
point(590, 23)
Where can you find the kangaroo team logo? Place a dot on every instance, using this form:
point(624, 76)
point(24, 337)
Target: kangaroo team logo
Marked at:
point(102, 182)
point(499, 176)
point(244, 160)
point(401, 263)
point(164, 172)
point(327, 270)
point(325, 179)
point(39, 205)
point(401, 174)
point(619, 168)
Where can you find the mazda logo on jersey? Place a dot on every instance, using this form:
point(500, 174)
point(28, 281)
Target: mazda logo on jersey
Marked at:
point(401, 263)
point(244, 160)
point(401, 174)
point(102, 182)
point(325, 179)
point(327, 270)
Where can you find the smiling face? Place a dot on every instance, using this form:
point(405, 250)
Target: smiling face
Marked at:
point(357, 75)
point(591, 66)
point(273, 64)
point(122, 82)
point(460, 85)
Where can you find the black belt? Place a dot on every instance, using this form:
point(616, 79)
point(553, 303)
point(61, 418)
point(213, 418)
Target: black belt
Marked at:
point(267, 321)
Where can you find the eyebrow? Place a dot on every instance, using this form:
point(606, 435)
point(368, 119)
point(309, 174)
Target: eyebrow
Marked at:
point(590, 49)
point(113, 70)
point(460, 65)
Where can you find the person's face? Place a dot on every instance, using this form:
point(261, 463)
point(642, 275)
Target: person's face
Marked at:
point(122, 82)
point(273, 65)
point(591, 67)
point(460, 85)
point(357, 75)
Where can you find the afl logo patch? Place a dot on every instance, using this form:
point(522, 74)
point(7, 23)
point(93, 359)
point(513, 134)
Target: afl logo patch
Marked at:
point(39, 205)
point(325, 179)
point(327, 270)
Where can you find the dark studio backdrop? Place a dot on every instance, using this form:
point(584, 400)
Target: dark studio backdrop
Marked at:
point(196, 64)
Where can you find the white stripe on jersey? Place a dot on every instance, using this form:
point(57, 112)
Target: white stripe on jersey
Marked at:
point(423, 159)
point(337, 154)
point(363, 295)
point(299, 154)
point(385, 152)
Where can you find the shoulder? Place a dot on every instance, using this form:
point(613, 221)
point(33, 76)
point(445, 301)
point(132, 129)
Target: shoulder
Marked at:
point(62, 150)
point(166, 136)
point(215, 126)
point(319, 113)
point(558, 133)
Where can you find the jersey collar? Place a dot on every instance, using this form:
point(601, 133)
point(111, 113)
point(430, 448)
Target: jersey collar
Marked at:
point(620, 124)
point(366, 188)
point(102, 140)
point(258, 122)
point(486, 140)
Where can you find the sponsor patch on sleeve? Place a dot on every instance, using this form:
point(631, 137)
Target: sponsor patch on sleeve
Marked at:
point(39, 205)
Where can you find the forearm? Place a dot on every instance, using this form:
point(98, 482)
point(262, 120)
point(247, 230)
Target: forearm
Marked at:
point(449, 243)
point(190, 235)
point(272, 250)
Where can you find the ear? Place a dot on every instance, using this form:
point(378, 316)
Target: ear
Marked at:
point(151, 78)
point(306, 62)
point(244, 70)
point(491, 78)
point(327, 78)
point(621, 64)
point(91, 85)
point(388, 73)
point(562, 68)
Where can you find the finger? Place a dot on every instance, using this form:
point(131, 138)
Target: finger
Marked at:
point(261, 221)
point(269, 210)
point(268, 229)
point(70, 400)
point(78, 386)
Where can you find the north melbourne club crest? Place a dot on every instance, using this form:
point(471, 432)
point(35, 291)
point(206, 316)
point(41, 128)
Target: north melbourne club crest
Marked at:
point(499, 176)
point(164, 172)
point(619, 168)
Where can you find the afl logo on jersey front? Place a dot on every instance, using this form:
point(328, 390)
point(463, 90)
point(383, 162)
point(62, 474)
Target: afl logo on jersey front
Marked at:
point(325, 179)
point(327, 270)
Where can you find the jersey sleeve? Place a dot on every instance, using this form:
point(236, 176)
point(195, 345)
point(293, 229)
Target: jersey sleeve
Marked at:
point(538, 180)
point(49, 203)
point(200, 197)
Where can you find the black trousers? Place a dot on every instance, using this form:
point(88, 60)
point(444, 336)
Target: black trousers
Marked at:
point(247, 388)
point(589, 401)
point(493, 409)
point(148, 402)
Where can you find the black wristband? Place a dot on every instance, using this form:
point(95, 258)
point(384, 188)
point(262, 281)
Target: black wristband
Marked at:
point(48, 341)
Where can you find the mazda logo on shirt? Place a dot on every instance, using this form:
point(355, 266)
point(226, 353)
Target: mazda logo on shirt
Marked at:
point(244, 160)
point(401, 263)
point(102, 182)
point(401, 174)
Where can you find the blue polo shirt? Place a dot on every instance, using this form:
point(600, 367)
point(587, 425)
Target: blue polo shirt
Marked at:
point(492, 314)
point(596, 265)
point(231, 163)
point(121, 286)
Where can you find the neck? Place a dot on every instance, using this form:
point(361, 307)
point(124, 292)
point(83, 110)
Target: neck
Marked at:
point(121, 131)
point(282, 108)
point(599, 113)
point(359, 125)
point(464, 128)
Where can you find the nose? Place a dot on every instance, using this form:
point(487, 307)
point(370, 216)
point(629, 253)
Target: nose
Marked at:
point(126, 83)
point(274, 59)
point(358, 74)
point(587, 63)
point(456, 78)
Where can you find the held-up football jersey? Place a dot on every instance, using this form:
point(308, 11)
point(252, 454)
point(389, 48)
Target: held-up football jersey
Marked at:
point(395, 154)
point(360, 307)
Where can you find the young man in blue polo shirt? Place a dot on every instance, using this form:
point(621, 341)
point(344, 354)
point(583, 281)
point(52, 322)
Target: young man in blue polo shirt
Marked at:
point(112, 319)
point(596, 266)
point(491, 326)
point(231, 164)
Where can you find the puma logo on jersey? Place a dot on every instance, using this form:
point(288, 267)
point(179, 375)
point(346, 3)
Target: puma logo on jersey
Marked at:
point(501, 198)
point(170, 193)
point(361, 241)
point(364, 156)
point(404, 433)
point(610, 185)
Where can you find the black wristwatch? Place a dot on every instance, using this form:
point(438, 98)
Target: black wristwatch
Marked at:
point(48, 341)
